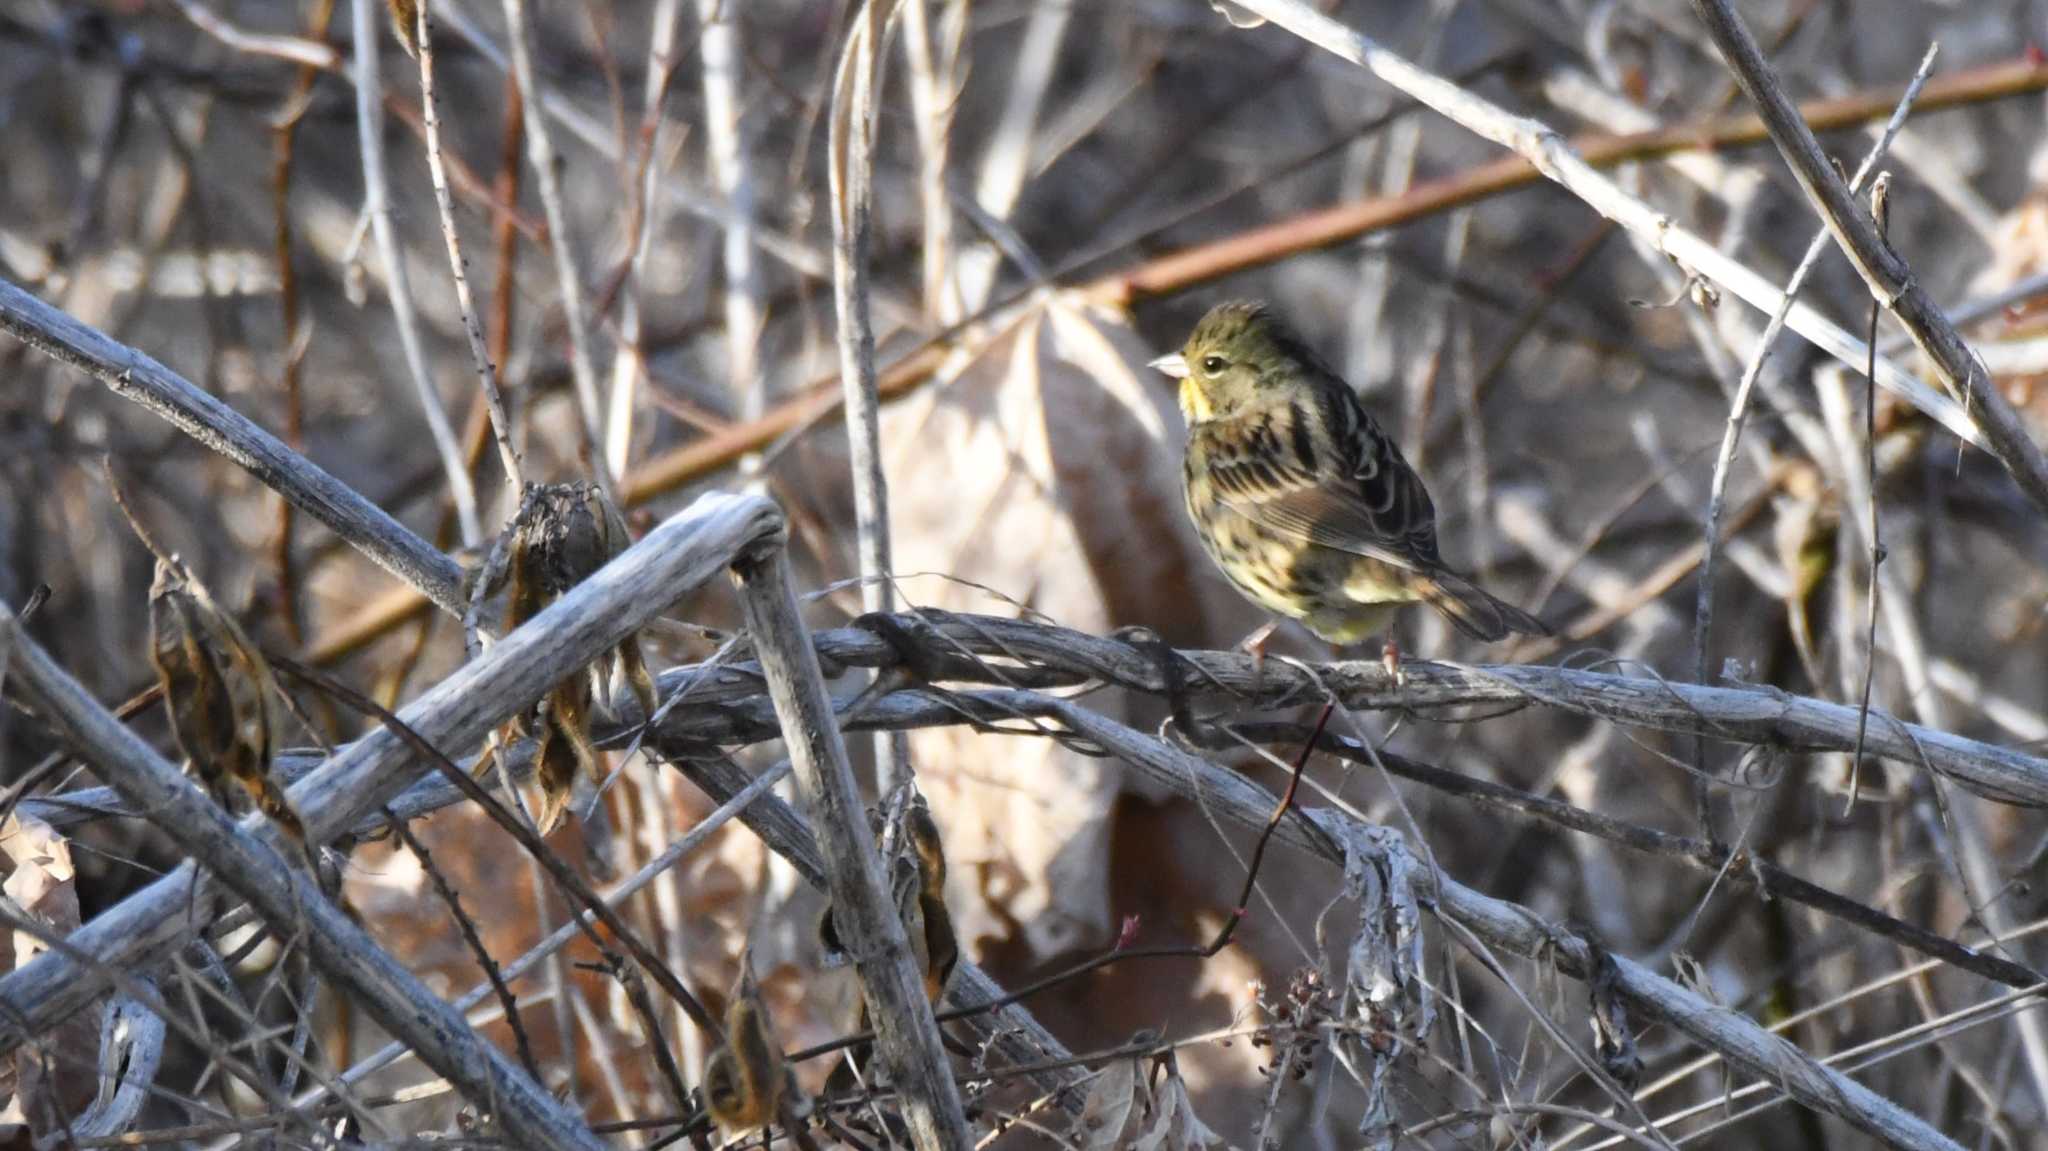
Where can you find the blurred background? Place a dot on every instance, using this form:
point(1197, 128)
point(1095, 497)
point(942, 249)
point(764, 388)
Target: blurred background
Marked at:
point(1060, 190)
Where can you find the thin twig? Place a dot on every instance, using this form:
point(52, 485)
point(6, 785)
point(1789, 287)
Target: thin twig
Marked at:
point(540, 147)
point(377, 205)
point(1889, 277)
point(851, 164)
point(288, 897)
point(480, 356)
point(1738, 412)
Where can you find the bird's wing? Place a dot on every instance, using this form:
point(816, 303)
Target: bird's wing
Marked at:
point(1349, 490)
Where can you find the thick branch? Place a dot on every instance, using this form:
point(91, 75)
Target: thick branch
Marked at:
point(683, 552)
point(863, 911)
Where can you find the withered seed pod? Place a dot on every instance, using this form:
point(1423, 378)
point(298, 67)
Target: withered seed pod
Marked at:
point(562, 534)
point(746, 1080)
point(220, 694)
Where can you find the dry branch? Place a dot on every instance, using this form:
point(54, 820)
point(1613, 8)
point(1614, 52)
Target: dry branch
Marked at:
point(862, 909)
point(1204, 263)
point(1891, 280)
point(132, 375)
point(683, 552)
point(256, 866)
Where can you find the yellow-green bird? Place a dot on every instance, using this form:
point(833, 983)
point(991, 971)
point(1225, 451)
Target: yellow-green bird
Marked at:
point(1299, 495)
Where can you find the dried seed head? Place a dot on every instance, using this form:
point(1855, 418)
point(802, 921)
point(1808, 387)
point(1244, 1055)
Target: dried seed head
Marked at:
point(746, 1079)
point(562, 534)
point(405, 16)
point(219, 691)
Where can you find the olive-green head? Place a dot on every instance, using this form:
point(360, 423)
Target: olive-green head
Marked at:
point(1239, 356)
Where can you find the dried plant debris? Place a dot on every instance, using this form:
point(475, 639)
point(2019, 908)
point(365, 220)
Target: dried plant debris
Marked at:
point(1613, 1042)
point(562, 534)
point(747, 1083)
point(915, 860)
point(917, 869)
point(220, 694)
point(1386, 998)
point(405, 16)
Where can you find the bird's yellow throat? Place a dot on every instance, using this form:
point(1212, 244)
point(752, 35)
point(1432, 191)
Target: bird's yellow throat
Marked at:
point(1193, 404)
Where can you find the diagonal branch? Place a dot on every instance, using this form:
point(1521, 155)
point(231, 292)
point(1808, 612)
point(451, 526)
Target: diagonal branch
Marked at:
point(1890, 279)
point(1552, 154)
point(288, 896)
point(592, 618)
point(132, 375)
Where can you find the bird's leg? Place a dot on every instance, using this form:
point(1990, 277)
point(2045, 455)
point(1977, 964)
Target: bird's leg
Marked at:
point(1390, 658)
point(1254, 645)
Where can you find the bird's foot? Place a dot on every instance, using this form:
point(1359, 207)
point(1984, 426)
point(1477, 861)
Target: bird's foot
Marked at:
point(1254, 645)
point(1390, 658)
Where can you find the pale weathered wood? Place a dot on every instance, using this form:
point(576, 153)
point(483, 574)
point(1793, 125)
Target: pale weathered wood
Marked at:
point(864, 913)
point(260, 866)
point(681, 553)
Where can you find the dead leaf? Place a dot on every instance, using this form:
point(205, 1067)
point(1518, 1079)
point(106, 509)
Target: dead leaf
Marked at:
point(1174, 1125)
point(1107, 1110)
point(57, 1079)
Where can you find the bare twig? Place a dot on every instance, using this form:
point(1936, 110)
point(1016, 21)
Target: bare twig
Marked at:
point(1738, 412)
point(719, 49)
point(851, 164)
point(540, 147)
point(135, 376)
point(290, 899)
point(1551, 153)
point(377, 204)
point(593, 618)
point(480, 356)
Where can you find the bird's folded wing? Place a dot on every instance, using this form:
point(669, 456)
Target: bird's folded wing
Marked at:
point(1368, 501)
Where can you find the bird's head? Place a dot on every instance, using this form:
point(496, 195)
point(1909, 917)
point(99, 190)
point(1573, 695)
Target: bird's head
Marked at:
point(1239, 356)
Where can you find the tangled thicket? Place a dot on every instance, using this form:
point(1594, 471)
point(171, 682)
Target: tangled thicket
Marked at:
point(437, 347)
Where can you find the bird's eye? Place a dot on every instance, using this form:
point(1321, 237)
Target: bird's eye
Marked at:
point(1214, 364)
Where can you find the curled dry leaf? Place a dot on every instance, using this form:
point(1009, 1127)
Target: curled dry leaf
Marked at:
point(560, 536)
point(220, 694)
point(1112, 1096)
point(58, 1080)
point(1047, 469)
point(746, 1081)
point(1174, 1126)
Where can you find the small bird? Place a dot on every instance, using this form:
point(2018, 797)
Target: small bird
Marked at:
point(1299, 495)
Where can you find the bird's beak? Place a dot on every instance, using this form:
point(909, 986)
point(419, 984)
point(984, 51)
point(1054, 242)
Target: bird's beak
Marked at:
point(1174, 365)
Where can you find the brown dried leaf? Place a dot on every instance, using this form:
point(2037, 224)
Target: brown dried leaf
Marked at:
point(1174, 1125)
point(57, 1080)
point(746, 1081)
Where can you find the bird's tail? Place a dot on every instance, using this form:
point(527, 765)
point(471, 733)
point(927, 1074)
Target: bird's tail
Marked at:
point(1477, 613)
